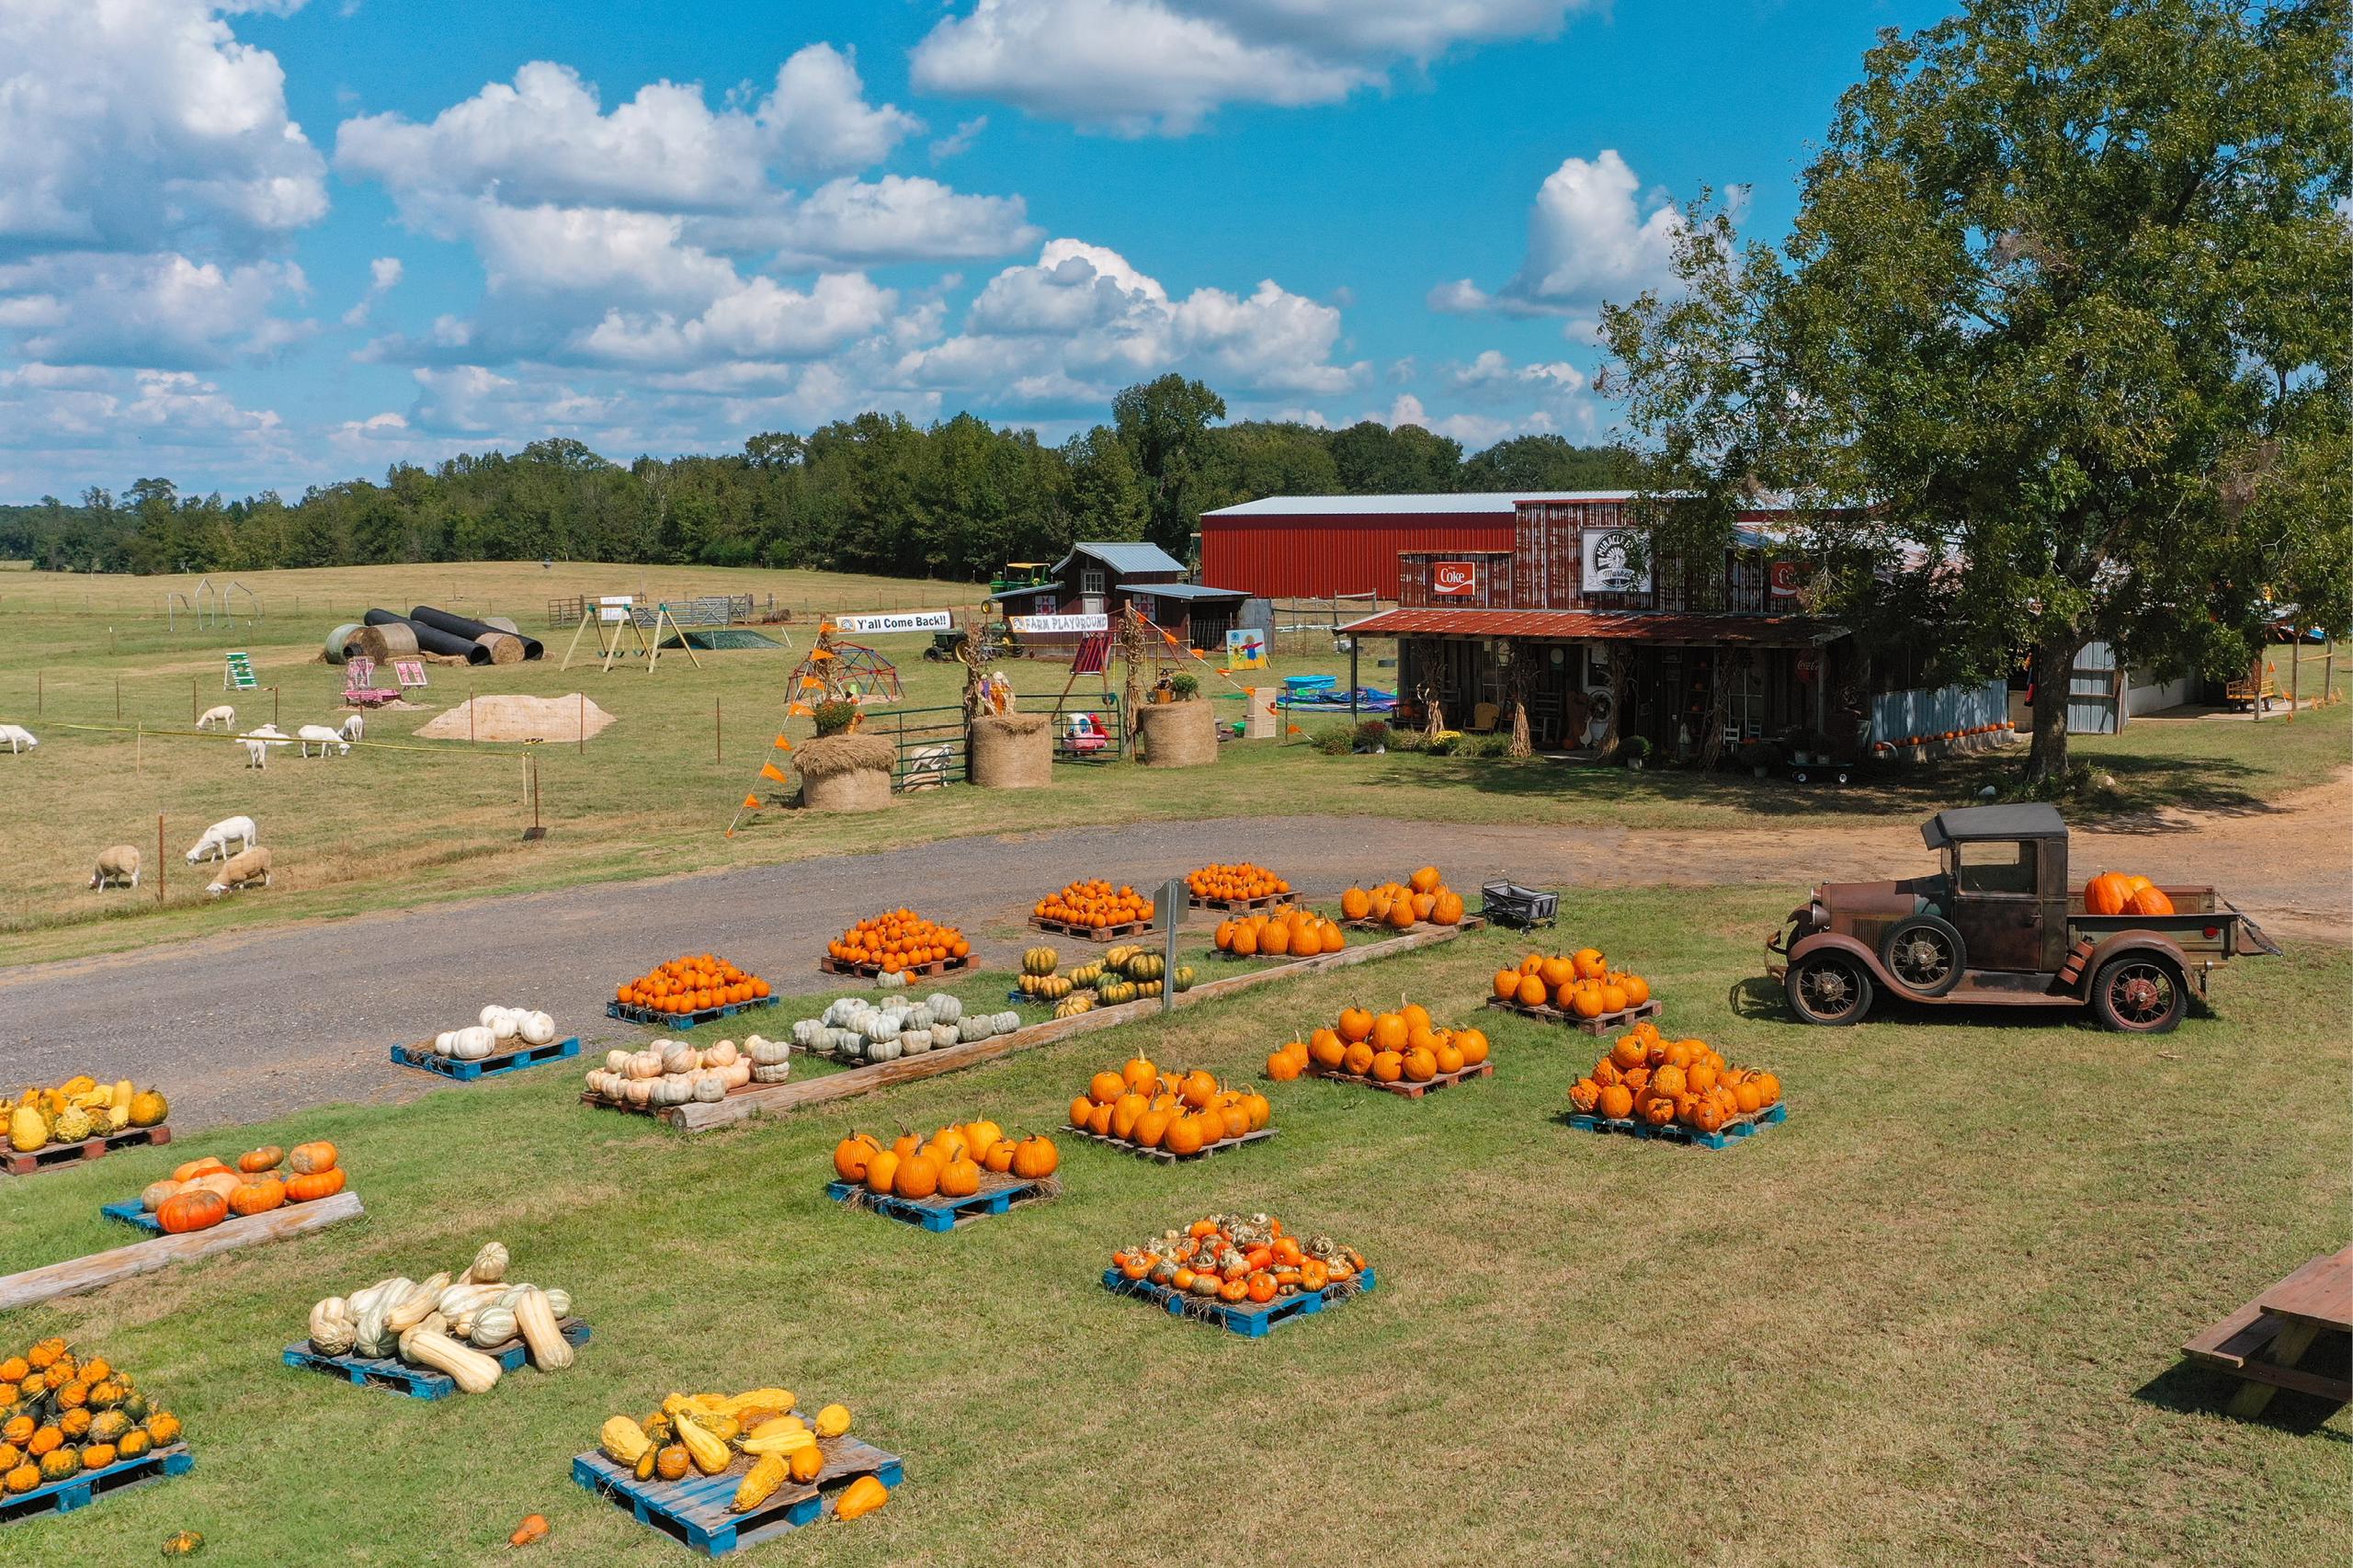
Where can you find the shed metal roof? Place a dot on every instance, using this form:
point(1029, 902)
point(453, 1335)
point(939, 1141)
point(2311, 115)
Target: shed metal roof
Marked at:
point(1124, 557)
point(1188, 591)
point(1626, 626)
point(1478, 503)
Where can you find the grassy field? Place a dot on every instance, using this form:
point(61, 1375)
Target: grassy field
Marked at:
point(403, 822)
point(1930, 1319)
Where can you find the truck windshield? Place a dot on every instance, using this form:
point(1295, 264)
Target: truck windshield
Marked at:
point(1994, 867)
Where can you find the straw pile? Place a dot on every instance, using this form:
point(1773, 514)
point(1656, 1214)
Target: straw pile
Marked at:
point(1177, 735)
point(845, 773)
point(1011, 750)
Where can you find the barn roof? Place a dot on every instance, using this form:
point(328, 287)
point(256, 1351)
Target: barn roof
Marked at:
point(1124, 558)
point(1623, 626)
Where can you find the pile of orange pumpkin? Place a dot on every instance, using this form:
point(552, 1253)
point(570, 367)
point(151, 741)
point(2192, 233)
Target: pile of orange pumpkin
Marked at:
point(201, 1193)
point(1647, 1077)
point(1094, 904)
point(898, 941)
point(62, 1415)
point(1582, 982)
point(2114, 892)
point(1384, 1046)
point(1181, 1112)
point(1293, 931)
point(1424, 896)
point(948, 1164)
point(1242, 881)
point(691, 984)
point(1236, 1258)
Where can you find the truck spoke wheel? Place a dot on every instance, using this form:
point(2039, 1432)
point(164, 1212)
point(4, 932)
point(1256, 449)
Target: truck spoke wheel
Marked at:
point(1829, 988)
point(2140, 995)
point(1924, 954)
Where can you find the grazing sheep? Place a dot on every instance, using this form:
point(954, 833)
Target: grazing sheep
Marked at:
point(19, 738)
point(118, 865)
point(222, 718)
point(214, 845)
point(258, 742)
point(354, 727)
point(242, 871)
point(319, 735)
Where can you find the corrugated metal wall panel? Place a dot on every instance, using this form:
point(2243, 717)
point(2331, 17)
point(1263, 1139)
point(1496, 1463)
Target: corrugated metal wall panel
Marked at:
point(1300, 557)
point(1931, 711)
point(1494, 591)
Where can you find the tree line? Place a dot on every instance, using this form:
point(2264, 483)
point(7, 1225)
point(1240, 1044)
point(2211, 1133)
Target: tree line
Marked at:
point(876, 493)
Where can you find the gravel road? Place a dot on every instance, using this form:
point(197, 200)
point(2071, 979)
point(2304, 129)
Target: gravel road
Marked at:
point(236, 1029)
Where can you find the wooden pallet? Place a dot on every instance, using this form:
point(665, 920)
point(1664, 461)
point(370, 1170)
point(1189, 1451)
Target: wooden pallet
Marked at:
point(697, 1511)
point(131, 1211)
point(832, 965)
point(424, 1059)
point(1404, 1087)
point(81, 1491)
point(1089, 933)
point(417, 1382)
point(1127, 1146)
point(1468, 923)
point(1624, 1018)
point(55, 1155)
point(1241, 905)
point(635, 1015)
point(998, 1194)
point(596, 1101)
point(1676, 1132)
point(1252, 1320)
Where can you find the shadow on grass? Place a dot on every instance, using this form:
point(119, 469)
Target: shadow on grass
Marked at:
point(1758, 998)
point(2191, 1388)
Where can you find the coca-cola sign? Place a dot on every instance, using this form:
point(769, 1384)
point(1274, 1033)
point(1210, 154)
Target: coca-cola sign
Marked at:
point(1454, 576)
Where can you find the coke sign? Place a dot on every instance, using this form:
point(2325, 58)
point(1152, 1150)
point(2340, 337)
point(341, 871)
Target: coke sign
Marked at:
point(1454, 576)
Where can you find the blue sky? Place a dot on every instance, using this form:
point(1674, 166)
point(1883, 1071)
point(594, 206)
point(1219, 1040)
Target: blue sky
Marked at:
point(277, 243)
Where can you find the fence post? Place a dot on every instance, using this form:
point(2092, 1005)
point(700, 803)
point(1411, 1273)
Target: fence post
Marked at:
point(191, 699)
point(163, 868)
point(714, 730)
point(118, 699)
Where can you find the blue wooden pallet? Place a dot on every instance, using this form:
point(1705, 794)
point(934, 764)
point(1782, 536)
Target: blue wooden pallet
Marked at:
point(425, 1060)
point(636, 1015)
point(1252, 1320)
point(697, 1511)
point(417, 1382)
point(1675, 1133)
point(81, 1491)
point(942, 1213)
point(131, 1211)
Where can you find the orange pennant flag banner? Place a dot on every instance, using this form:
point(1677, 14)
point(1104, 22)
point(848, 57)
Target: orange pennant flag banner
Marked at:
point(783, 744)
point(798, 710)
point(751, 802)
point(770, 770)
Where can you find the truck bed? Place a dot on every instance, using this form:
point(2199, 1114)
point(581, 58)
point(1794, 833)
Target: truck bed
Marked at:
point(2202, 924)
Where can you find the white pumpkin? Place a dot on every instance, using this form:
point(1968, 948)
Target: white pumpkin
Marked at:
point(502, 1026)
point(710, 1086)
point(441, 1042)
point(737, 1073)
point(473, 1044)
point(944, 1009)
point(616, 1060)
point(771, 1072)
point(943, 1035)
point(881, 1026)
point(921, 1017)
point(671, 1088)
point(720, 1055)
point(1005, 1022)
point(914, 1043)
point(644, 1065)
point(677, 1056)
point(537, 1029)
point(892, 980)
point(640, 1091)
point(766, 1052)
point(489, 1015)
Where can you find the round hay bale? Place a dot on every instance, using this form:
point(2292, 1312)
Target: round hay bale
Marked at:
point(1177, 735)
point(382, 643)
point(845, 773)
point(503, 624)
point(504, 647)
point(1010, 750)
point(337, 638)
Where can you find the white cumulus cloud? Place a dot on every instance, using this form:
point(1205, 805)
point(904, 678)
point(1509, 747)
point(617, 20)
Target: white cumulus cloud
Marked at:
point(1592, 236)
point(1139, 65)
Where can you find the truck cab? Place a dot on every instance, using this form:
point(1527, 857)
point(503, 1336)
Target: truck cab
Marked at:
point(1998, 923)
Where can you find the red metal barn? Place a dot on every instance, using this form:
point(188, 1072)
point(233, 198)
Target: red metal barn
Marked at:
point(1296, 547)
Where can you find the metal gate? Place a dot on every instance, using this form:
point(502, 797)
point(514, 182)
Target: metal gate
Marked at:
point(930, 742)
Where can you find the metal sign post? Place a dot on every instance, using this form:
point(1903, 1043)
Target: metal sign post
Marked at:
point(1169, 907)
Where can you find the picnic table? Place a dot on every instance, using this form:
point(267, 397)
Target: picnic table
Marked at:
point(2266, 1340)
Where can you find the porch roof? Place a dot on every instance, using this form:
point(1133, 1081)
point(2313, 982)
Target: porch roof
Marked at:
point(1620, 626)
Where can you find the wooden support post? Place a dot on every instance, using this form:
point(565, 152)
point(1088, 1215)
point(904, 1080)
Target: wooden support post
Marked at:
point(714, 730)
point(162, 866)
point(2295, 671)
point(191, 699)
point(118, 699)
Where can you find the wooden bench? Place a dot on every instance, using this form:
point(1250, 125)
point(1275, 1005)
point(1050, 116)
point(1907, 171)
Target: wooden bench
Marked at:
point(2264, 1341)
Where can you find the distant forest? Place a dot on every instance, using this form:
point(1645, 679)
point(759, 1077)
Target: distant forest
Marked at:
point(874, 493)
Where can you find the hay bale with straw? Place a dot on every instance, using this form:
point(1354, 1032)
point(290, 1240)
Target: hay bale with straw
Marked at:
point(845, 773)
point(1177, 735)
point(504, 647)
point(1011, 750)
point(382, 643)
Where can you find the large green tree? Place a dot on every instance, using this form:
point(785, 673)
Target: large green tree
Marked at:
point(1164, 424)
point(2056, 349)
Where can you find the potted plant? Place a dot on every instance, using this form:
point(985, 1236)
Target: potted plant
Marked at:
point(1372, 737)
point(835, 718)
point(1636, 749)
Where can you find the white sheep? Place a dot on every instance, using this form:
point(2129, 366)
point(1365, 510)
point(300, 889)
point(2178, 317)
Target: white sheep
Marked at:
point(214, 845)
point(222, 718)
point(319, 735)
point(355, 726)
point(258, 742)
point(242, 871)
point(118, 864)
point(19, 738)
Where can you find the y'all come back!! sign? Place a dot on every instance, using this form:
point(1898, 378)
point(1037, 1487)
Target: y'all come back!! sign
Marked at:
point(1454, 576)
point(902, 620)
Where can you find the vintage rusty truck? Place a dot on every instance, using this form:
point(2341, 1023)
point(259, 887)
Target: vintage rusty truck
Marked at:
point(1999, 925)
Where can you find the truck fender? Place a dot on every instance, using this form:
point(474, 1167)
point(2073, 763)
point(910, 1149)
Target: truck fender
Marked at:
point(1822, 942)
point(2151, 942)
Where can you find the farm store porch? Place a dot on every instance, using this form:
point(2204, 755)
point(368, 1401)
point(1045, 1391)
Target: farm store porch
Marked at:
point(1675, 680)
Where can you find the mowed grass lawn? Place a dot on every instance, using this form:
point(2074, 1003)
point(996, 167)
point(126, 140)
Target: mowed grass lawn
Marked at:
point(392, 825)
point(1932, 1318)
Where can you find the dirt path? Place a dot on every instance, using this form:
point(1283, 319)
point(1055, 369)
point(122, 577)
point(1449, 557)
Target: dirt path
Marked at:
point(241, 1027)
